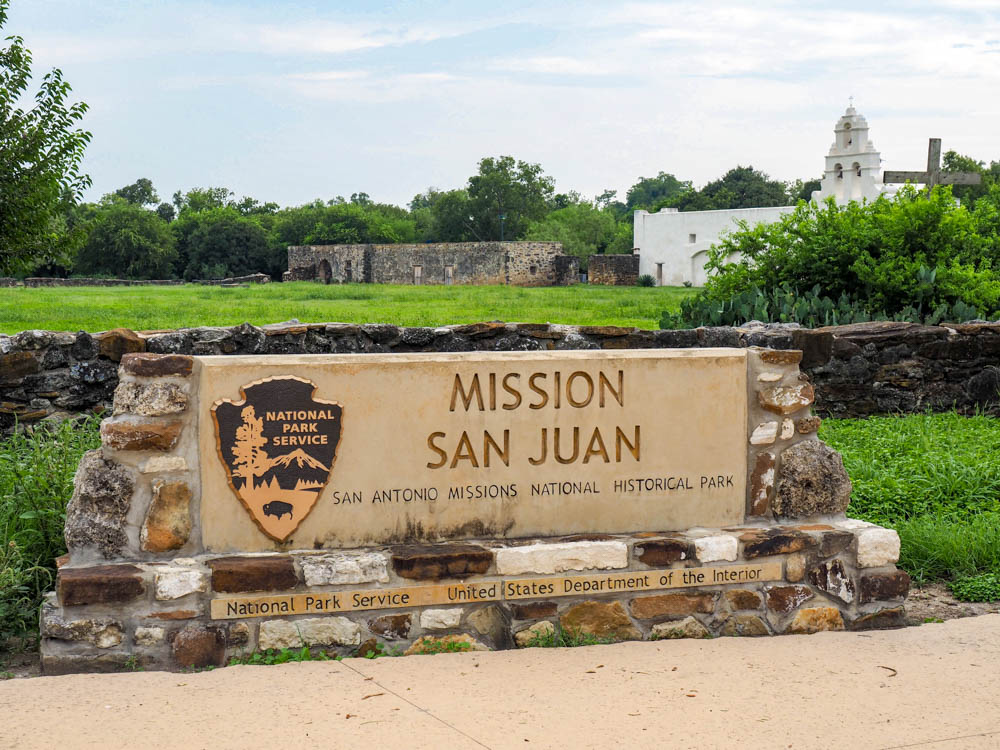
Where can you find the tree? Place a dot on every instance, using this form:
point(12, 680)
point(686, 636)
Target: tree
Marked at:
point(202, 199)
point(515, 190)
point(249, 457)
point(166, 212)
point(220, 242)
point(742, 187)
point(970, 194)
point(40, 153)
point(139, 193)
point(649, 191)
point(802, 190)
point(582, 229)
point(126, 240)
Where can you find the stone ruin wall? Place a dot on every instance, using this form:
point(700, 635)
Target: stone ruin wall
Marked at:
point(613, 270)
point(136, 586)
point(517, 263)
point(857, 370)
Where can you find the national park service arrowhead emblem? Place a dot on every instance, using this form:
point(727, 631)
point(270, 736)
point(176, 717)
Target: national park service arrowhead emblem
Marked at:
point(278, 446)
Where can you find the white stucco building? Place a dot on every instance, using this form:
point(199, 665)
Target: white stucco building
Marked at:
point(673, 245)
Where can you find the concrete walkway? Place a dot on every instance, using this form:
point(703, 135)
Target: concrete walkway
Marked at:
point(934, 686)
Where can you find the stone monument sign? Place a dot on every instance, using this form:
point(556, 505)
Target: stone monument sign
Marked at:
point(458, 500)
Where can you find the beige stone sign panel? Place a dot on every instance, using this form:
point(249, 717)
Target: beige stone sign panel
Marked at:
point(453, 446)
point(228, 608)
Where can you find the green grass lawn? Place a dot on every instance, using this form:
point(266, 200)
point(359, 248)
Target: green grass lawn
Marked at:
point(144, 308)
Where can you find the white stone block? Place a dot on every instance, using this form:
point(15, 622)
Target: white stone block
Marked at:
point(770, 377)
point(787, 429)
point(559, 557)
point(149, 636)
point(877, 546)
point(173, 583)
point(326, 570)
point(764, 433)
point(850, 524)
point(440, 619)
point(158, 464)
point(713, 548)
point(316, 631)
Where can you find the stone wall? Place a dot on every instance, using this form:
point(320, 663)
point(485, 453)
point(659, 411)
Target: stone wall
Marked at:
point(857, 371)
point(518, 263)
point(613, 270)
point(139, 588)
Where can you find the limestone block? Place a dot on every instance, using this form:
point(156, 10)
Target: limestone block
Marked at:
point(101, 499)
point(168, 520)
point(101, 632)
point(316, 631)
point(173, 583)
point(770, 377)
point(153, 435)
point(440, 619)
point(714, 548)
point(149, 636)
point(877, 546)
point(815, 620)
point(807, 425)
point(785, 399)
point(431, 644)
point(795, 568)
point(538, 631)
point(672, 605)
point(812, 481)
point(686, 628)
point(491, 622)
point(157, 365)
point(738, 599)
point(764, 434)
point(556, 558)
point(149, 399)
point(600, 619)
point(744, 625)
point(328, 570)
point(163, 464)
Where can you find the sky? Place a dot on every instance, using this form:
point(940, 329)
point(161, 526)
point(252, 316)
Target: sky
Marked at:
point(289, 101)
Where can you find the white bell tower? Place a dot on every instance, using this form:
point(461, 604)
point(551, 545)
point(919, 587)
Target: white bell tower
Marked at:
point(853, 166)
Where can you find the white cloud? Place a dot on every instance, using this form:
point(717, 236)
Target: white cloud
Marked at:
point(557, 65)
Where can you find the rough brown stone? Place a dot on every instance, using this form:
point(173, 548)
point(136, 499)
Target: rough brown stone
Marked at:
point(99, 584)
point(535, 633)
point(762, 484)
point(236, 574)
point(744, 625)
point(795, 568)
point(16, 365)
point(60, 663)
point(371, 646)
point(198, 646)
point(807, 425)
point(433, 644)
point(689, 627)
point(174, 614)
point(237, 634)
point(493, 623)
point(160, 435)
point(391, 626)
point(600, 619)
point(743, 599)
point(533, 610)
point(157, 365)
point(149, 399)
point(604, 331)
point(764, 542)
point(168, 521)
point(659, 552)
point(784, 599)
point(420, 562)
point(780, 356)
point(116, 343)
point(101, 632)
point(62, 561)
point(812, 481)
point(672, 605)
point(892, 617)
point(480, 330)
point(786, 399)
point(834, 542)
point(95, 516)
point(833, 578)
point(880, 586)
point(815, 620)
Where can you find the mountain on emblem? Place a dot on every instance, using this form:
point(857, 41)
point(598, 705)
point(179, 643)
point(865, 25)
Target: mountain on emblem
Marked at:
point(278, 446)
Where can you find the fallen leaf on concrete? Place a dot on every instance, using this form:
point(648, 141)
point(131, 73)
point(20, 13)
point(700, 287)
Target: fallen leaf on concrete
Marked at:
point(373, 695)
point(894, 672)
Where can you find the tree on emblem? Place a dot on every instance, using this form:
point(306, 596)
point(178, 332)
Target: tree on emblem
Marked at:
point(249, 457)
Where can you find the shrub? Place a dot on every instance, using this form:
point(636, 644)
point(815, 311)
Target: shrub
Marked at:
point(917, 256)
point(984, 587)
point(645, 280)
point(36, 482)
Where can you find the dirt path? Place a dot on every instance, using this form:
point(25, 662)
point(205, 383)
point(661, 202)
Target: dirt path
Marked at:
point(934, 686)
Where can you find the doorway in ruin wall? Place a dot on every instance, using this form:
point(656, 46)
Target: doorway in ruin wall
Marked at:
point(325, 272)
